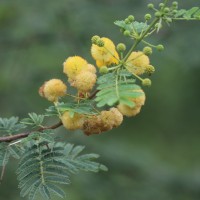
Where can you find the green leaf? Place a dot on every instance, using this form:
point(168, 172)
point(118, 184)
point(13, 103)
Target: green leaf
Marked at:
point(83, 107)
point(135, 27)
point(57, 190)
point(33, 120)
point(11, 125)
point(42, 169)
point(116, 89)
point(193, 13)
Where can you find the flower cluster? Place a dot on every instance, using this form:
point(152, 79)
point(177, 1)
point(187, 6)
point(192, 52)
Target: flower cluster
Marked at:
point(82, 76)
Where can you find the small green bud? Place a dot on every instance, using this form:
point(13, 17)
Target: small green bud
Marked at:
point(147, 51)
point(94, 39)
point(174, 12)
point(127, 33)
point(149, 69)
point(174, 3)
point(169, 20)
point(150, 6)
point(127, 21)
point(100, 43)
point(147, 17)
point(146, 82)
point(121, 47)
point(131, 18)
point(160, 47)
point(166, 10)
point(158, 14)
point(161, 5)
point(103, 70)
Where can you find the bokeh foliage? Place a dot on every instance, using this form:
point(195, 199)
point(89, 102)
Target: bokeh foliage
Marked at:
point(152, 156)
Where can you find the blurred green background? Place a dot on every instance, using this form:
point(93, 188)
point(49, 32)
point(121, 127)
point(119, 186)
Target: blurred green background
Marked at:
point(154, 156)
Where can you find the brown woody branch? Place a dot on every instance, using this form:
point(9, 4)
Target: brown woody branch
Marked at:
point(23, 135)
point(26, 134)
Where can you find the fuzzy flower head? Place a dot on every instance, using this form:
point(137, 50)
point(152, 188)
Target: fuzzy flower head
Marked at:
point(114, 59)
point(137, 62)
point(91, 68)
point(74, 65)
point(104, 53)
point(128, 111)
point(93, 125)
point(85, 81)
point(72, 123)
point(111, 118)
point(139, 102)
point(53, 89)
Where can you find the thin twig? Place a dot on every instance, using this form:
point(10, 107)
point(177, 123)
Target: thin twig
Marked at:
point(23, 135)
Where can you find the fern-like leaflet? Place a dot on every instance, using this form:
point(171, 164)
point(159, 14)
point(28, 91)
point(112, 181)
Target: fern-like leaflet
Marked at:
point(116, 88)
point(193, 13)
point(44, 167)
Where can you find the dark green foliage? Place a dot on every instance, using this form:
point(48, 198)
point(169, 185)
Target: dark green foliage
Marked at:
point(44, 167)
point(118, 89)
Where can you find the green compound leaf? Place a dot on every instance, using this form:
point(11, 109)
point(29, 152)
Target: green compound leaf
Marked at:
point(83, 107)
point(46, 166)
point(34, 120)
point(10, 125)
point(193, 13)
point(116, 89)
point(6, 152)
point(134, 27)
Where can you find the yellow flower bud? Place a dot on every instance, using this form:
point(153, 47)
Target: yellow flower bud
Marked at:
point(74, 66)
point(103, 53)
point(111, 118)
point(85, 81)
point(72, 123)
point(139, 102)
point(93, 125)
point(137, 62)
point(128, 111)
point(92, 68)
point(53, 89)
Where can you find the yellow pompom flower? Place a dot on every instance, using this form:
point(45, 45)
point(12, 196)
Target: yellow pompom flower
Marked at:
point(72, 123)
point(137, 62)
point(113, 60)
point(74, 65)
point(103, 53)
point(92, 68)
point(111, 118)
point(128, 111)
point(53, 89)
point(85, 81)
point(93, 125)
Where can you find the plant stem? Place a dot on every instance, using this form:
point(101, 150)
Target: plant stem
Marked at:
point(23, 135)
point(144, 34)
point(140, 38)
